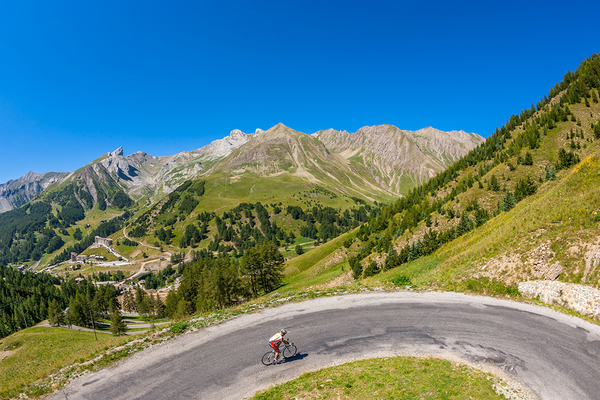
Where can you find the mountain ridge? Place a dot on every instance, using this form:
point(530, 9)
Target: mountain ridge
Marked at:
point(17, 192)
point(376, 148)
point(140, 174)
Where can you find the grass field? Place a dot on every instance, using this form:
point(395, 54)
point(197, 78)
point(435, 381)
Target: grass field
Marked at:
point(39, 351)
point(389, 378)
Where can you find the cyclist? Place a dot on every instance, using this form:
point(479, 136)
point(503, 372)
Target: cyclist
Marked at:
point(275, 341)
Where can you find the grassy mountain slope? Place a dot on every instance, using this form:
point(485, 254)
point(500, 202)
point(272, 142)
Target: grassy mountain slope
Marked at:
point(558, 224)
point(284, 151)
point(523, 201)
point(280, 167)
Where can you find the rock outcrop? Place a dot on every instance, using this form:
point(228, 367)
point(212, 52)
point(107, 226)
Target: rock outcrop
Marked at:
point(223, 147)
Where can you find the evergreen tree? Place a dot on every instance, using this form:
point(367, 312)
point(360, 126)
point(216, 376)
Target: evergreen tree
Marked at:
point(372, 269)
point(263, 265)
point(465, 225)
point(118, 327)
point(356, 267)
point(508, 202)
point(159, 307)
point(77, 235)
point(56, 315)
point(493, 184)
point(129, 302)
point(566, 159)
point(550, 173)
point(171, 303)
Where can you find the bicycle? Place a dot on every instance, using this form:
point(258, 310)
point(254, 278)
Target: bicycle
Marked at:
point(288, 350)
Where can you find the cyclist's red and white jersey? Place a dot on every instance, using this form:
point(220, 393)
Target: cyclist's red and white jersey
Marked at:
point(277, 338)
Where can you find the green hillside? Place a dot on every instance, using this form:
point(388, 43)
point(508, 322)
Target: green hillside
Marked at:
point(524, 200)
point(40, 229)
point(228, 216)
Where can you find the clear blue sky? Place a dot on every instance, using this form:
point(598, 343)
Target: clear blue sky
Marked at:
point(81, 78)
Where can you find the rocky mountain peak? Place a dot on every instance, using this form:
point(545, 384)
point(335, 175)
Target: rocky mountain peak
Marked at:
point(118, 152)
point(236, 133)
point(30, 177)
point(279, 128)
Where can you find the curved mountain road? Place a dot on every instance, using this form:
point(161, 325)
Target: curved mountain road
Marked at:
point(554, 355)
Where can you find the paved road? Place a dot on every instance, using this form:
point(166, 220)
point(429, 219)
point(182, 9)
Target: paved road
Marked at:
point(554, 355)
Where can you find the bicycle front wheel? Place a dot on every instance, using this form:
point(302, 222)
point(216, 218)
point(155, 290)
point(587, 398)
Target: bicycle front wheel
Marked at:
point(268, 358)
point(289, 351)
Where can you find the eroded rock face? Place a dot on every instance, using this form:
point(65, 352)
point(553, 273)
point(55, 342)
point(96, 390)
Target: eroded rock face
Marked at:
point(583, 299)
point(15, 193)
point(223, 147)
point(395, 157)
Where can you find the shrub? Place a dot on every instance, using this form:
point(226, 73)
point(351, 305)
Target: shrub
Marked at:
point(372, 269)
point(489, 286)
point(356, 267)
point(178, 327)
point(401, 280)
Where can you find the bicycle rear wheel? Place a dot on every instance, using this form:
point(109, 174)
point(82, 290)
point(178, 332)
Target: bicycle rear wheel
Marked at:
point(289, 351)
point(268, 358)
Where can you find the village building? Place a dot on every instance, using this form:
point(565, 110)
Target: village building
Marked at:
point(78, 257)
point(103, 241)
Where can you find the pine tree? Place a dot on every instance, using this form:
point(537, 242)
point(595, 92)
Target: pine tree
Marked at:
point(159, 307)
point(550, 173)
point(56, 316)
point(508, 201)
point(494, 185)
point(128, 302)
point(356, 266)
point(171, 304)
point(118, 327)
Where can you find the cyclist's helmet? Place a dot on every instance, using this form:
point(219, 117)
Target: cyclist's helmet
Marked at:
point(283, 331)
